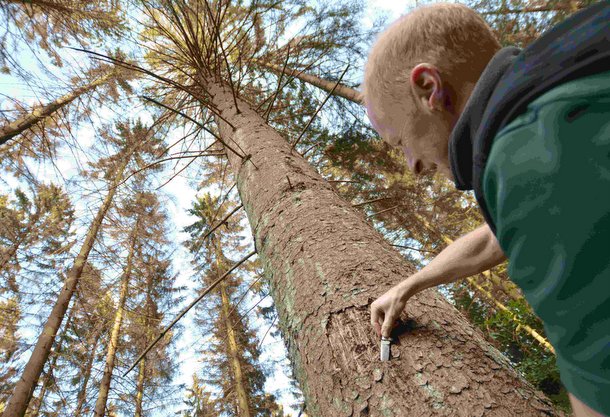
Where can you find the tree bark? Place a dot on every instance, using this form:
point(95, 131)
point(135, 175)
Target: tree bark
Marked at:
point(102, 397)
point(18, 126)
point(24, 388)
point(326, 265)
point(341, 90)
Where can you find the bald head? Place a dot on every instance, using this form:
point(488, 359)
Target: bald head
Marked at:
point(419, 75)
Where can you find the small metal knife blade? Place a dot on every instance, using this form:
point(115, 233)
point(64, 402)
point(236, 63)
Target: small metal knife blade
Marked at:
point(385, 349)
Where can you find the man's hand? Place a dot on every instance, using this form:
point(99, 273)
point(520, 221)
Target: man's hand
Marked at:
point(471, 254)
point(387, 308)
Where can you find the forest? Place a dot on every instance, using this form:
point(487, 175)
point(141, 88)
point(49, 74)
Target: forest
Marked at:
point(195, 216)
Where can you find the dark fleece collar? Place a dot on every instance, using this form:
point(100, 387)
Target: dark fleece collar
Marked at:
point(461, 141)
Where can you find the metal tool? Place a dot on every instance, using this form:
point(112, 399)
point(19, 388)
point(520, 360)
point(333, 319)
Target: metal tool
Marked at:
point(385, 348)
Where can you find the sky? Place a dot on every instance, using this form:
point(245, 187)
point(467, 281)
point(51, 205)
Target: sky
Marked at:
point(180, 194)
point(393, 8)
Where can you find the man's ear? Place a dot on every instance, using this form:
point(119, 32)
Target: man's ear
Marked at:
point(427, 86)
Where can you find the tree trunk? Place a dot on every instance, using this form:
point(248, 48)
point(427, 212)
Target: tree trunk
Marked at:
point(147, 330)
point(102, 397)
point(326, 265)
point(242, 396)
point(49, 376)
point(341, 90)
point(140, 388)
point(16, 127)
point(82, 393)
point(20, 240)
point(24, 388)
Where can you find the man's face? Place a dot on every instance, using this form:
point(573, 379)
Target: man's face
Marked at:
point(422, 138)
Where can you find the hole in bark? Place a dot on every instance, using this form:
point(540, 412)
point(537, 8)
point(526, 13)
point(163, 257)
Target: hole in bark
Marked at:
point(403, 326)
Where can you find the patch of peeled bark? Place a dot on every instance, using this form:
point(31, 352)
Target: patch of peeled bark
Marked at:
point(326, 265)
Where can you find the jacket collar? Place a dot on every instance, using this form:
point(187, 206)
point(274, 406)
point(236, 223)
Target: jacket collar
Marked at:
point(462, 139)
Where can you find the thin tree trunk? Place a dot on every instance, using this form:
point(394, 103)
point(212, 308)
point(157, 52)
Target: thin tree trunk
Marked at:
point(341, 90)
point(18, 126)
point(242, 395)
point(140, 388)
point(24, 388)
point(142, 368)
point(102, 397)
point(82, 393)
point(326, 265)
point(12, 252)
point(520, 325)
point(49, 376)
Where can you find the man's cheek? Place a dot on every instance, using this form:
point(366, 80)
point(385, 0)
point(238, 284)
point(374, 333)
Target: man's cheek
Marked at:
point(408, 152)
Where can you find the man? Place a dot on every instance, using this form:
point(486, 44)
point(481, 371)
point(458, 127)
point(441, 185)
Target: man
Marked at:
point(529, 132)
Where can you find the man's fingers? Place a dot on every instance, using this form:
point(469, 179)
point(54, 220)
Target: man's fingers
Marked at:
point(386, 328)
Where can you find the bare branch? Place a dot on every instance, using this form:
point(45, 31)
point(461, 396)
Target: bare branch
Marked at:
point(382, 211)
point(279, 85)
point(196, 122)
point(371, 201)
point(330, 93)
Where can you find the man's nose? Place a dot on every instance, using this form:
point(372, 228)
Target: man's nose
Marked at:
point(415, 165)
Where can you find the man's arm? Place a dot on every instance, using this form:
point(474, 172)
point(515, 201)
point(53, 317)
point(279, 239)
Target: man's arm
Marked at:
point(471, 254)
